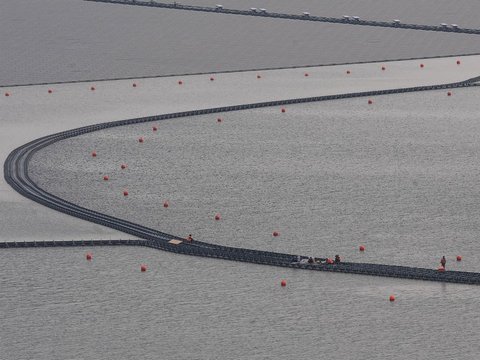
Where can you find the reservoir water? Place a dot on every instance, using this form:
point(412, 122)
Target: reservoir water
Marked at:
point(65, 40)
point(398, 176)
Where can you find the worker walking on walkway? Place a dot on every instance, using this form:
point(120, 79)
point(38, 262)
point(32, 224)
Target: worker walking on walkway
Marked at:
point(443, 261)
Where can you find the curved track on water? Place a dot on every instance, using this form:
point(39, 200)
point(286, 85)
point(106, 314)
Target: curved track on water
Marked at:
point(17, 175)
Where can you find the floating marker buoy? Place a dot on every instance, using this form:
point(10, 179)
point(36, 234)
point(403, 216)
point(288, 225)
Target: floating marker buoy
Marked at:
point(259, 77)
point(421, 65)
point(180, 82)
point(212, 78)
point(276, 233)
point(219, 120)
point(283, 283)
point(50, 91)
point(383, 68)
point(7, 94)
point(92, 88)
point(140, 139)
point(166, 204)
point(134, 85)
point(154, 128)
point(348, 72)
point(458, 62)
point(449, 93)
point(361, 248)
point(392, 298)
point(143, 268)
point(94, 154)
point(106, 178)
point(306, 74)
point(88, 256)
point(217, 217)
point(283, 110)
point(125, 192)
point(123, 166)
point(459, 258)
point(370, 102)
point(441, 269)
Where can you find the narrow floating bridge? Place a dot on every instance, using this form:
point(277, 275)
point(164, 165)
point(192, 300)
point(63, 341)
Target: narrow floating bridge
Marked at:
point(268, 258)
point(68, 243)
point(305, 16)
point(16, 174)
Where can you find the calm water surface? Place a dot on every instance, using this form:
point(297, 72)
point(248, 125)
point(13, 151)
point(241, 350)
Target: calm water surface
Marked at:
point(63, 40)
point(399, 176)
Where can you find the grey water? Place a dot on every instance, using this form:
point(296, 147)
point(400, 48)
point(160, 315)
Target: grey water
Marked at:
point(399, 176)
point(66, 40)
point(56, 305)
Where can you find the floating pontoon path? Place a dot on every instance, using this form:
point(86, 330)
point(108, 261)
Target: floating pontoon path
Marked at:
point(16, 174)
point(302, 17)
point(69, 243)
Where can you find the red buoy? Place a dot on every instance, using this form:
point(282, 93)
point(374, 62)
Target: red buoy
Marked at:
point(283, 283)
point(180, 82)
point(123, 166)
point(166, 204)
point(441, 269)
point(283, 110)
point(50, 91)
point(7, 94)
point(140, 139)
point(134, 85)
point(106, 178)
point(306, 74)
point(392, 298)
point(92, 88)
point(217, 217)
point(458, 62)
point(89, 256)
point(212, 78)
point(94, 154)
point(348, 72)
point(449, 93)
point(143, 268)
point(361, 248)
point(459, 258)
point(154, 128)
point(370, 102)
point(259, 77)
point(125, 192)
point(383, 68)
point(219, 120)
point(421, 65)
point(276, 233)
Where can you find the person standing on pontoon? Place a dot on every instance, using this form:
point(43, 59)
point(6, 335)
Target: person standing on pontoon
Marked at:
point(443, 261)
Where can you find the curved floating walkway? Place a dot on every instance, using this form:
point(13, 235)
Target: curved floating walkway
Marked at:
point(16, 175)
point(302, 17)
